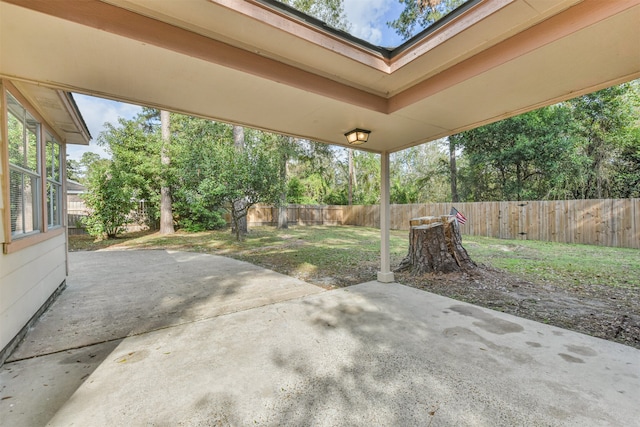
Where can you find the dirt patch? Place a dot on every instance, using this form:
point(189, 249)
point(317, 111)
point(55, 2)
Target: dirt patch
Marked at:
point(611, 313)
point(605, 312)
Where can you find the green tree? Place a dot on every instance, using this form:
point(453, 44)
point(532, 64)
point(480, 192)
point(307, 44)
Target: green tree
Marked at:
point(241, 225)
point(606, 124)
point(74, 170)
point(77, 170)
point(366, 184)
point(134, 146)
point(453, 171)
point(626, 181)
point(330, 12)
point(285, 149)
point(109, 199)
point(212, 172)
point(519, 158)
point(420, 174)
point(420, 14)
point(250, 176)
point(317, 168)
point(295, 191)
point(193, 154)
point(583, 148)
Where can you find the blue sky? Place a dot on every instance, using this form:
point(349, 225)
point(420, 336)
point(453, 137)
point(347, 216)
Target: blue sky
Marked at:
point(368, 20)
point(96, 112)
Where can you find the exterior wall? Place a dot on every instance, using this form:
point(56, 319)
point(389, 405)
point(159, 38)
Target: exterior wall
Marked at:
point(3, 171)
point(32, 266)
point(27, 279)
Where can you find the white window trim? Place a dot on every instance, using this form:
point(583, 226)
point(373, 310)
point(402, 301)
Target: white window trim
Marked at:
point(14, 243)
point(49, 165)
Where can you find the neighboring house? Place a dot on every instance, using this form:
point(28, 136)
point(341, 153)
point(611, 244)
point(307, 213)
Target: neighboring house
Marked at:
point(36, 125)
point(74, 190)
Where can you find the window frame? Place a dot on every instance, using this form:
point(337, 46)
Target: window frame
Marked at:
point(25, 172)
point(45, 230)
point(53, 189)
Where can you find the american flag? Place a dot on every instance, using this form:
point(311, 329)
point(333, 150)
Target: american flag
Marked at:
point(461, 218)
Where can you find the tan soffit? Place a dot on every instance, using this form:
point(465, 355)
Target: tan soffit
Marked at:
point(242, 62)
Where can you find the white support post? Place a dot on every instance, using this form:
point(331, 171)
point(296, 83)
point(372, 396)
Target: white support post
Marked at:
point(385, 275)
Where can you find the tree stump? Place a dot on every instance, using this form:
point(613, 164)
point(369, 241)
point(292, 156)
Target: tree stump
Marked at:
point(435, 246)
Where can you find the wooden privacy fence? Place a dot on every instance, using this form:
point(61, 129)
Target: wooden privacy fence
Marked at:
point(296, 215)
point(76, 210)
point(609, 222)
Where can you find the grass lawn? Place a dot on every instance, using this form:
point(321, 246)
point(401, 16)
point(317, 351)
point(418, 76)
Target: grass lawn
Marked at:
point(341, 256)
point(559, 262)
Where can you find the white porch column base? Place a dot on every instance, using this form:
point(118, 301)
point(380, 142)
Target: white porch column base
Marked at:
point(385, 277)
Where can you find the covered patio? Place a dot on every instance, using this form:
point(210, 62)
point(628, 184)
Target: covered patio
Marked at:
point(176, 338)
point(256, 63)
point(376, 353)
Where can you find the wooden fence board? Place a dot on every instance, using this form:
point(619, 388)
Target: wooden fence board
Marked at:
point(491, 225)
point(634, 228)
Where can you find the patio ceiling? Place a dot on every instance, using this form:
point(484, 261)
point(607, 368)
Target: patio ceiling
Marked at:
point(246, 63)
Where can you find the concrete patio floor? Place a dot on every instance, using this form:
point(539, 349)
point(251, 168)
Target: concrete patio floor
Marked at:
point(161, 338)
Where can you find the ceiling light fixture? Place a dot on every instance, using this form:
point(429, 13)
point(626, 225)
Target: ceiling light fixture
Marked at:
point(357, 136)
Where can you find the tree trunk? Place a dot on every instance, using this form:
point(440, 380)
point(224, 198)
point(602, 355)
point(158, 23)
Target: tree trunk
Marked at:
point(435, 246)
point(453, 170)
point(166, 208)
point(240, 227)
point(283, 217)
point(351, 176)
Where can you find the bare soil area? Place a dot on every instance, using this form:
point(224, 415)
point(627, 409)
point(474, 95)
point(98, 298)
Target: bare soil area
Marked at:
point(601, 311)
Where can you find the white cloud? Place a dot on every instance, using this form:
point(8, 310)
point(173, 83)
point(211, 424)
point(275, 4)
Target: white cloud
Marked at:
point(364, 16)
point(368, 19)
point(96, 112)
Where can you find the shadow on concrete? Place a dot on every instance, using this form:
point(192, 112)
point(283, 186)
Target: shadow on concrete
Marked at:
point(112, 295)
point(371, 354)
point(398, 358)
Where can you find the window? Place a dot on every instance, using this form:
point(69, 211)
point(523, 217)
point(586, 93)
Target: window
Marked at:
point(393, 24)
point(24, 169)
point(53, 163)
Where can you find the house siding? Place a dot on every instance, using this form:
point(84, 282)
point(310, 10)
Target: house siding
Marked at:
point(27, 279)
point(33, 266)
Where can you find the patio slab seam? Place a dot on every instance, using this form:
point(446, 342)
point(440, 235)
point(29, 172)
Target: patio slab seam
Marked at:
point(135, 334)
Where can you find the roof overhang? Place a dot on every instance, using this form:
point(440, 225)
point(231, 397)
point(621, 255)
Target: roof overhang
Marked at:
point(58, 109)
point(246, 63)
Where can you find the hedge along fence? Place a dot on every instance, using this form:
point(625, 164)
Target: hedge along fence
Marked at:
point(608, 222)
